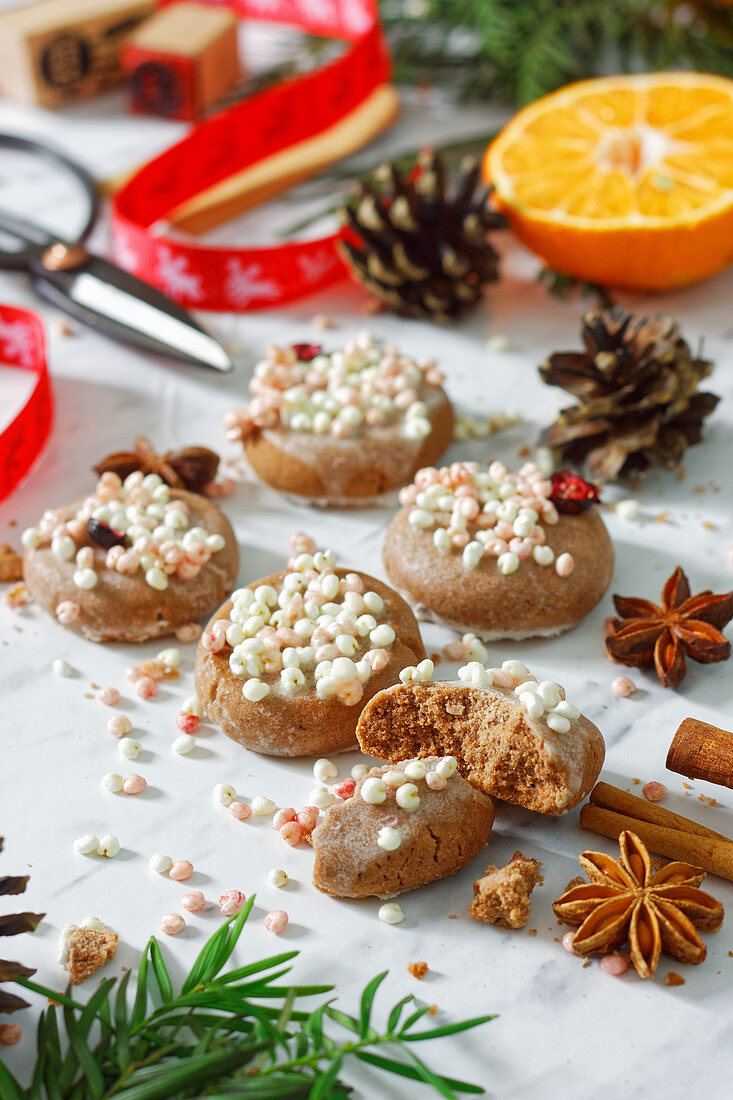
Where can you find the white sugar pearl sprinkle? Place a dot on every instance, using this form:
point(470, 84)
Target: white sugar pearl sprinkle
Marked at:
point(531, 704)
point(558, 723)
point(157, 578)
point(170, 657)
point(112, 782)
point(447, 766)
point(183, 745)
point(109, 846)
point(321, 797)
point(255, 690)
point(389, 839)
point(627, 510)
point(382, 635)
point(507, 563)
point(224, 794)
point(62, 668)
point(86, 845)
point(567, 710)
point(277, 877)
point(324, 769)
point(262, 806)
point(373, 791)
point(390, 913)
point(408, 796)
point(192, 705)
point(359, 771)
point(86, 578)
point(128, 747)
point(415, 769)
point(160, 863)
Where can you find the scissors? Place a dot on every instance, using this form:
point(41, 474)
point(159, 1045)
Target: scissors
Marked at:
point(95, 291)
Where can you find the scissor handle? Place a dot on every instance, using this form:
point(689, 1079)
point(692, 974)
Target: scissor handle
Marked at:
point(34, 236)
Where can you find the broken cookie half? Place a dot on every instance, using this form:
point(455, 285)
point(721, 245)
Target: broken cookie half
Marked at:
point(405, 825)
point(84, 948)
point(513, 736)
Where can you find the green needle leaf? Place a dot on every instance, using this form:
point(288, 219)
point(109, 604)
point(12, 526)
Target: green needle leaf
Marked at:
point(9, 1087)
point(162, 976)
point(402, 1070)
point(447, 1029)
point(367, 999)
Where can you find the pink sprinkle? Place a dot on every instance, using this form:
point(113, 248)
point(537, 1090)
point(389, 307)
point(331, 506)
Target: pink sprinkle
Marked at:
point(181, 870)
point(10, 1034)
point(353, 582)
point(350, 692)
point(292, 833)
point(286, 814)
point(454, 651)
point(193, 902)
point(172, 924)
point(300, 543)
point(119, 726)
point(435, 781)
point(564, 565)
point(567, 942)
point(109, 696)
point(133, 784)
point(240, 810)
point(133, 674)
point(614, 964)
point(67, 612)
point(346, 789)
point(146, 687)
point(224, 487)
point(623, 686)
point(231, 902)
point(308, 817)
point(85, 558)
point(187, 723)
point(188, 633)
point(276, 921)
point(654, 792)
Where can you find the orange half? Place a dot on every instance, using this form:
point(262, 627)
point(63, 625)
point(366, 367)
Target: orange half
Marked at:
point(625, 180)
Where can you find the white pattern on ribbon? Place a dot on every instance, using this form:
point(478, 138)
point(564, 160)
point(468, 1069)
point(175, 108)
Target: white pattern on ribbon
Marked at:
point(17, 341)
point(173, 275)
point(357, 15)
point(124, 252)
point(243, 284)
point(317, 10)
point(314, 267)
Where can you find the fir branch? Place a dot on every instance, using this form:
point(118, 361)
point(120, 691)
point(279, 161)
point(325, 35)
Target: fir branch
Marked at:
point(214, 1036)
point(517, 50)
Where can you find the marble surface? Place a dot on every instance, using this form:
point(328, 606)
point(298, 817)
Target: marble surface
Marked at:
point(563, 1030)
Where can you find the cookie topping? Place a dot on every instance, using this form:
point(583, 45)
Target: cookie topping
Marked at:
point(139, 526)
point(570, 494)
point(341, 393)
point(480, 512)
point(315, 630)
point(538, 699)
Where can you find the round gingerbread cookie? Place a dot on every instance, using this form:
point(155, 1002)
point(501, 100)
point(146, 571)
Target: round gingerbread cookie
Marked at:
point(287, 664)
point(501, 554)
point(135, 560)
point(343, 427)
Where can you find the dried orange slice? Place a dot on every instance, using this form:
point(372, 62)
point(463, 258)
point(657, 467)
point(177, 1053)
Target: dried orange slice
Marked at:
point(625, 180)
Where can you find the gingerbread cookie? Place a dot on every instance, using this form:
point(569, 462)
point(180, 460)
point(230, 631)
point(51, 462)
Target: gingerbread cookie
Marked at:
point(502, 894)
point(135, 560)
point(341, 428)
point(404, 826)
point(286, 665)
point(514, 738)
point(501, 554)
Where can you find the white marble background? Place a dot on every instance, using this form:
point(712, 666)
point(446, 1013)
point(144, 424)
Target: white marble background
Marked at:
point(563, 1031)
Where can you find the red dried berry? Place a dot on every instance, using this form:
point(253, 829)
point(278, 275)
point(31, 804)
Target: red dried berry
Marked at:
point(306, 352)
point(570, 494)
point(104, 535)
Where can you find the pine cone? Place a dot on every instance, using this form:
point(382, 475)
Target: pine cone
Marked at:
point(12, 924)
point(637, 388)
point(419, 248)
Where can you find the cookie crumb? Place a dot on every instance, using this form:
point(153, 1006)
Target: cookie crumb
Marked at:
point(11, 565)
point(84, 949)
point(577, 881)
point(452, 916)
point(502, 895)
point(707, 800)
point(432, 1010)
point(17, 595)
point(418, 969)
point(674, 979)
point(532, 932)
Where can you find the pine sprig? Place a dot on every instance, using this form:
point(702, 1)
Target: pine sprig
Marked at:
point(224, 1034)
point(517, 50)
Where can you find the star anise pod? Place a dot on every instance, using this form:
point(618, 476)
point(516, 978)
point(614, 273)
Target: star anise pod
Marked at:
point(189, 468)
point(684, 625)
point(625, 900)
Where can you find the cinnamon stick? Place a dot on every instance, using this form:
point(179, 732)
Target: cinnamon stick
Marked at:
point(612, 798)
point(702, 751)
point(711, 853)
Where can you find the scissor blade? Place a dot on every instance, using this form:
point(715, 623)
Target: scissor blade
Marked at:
point(121, 306)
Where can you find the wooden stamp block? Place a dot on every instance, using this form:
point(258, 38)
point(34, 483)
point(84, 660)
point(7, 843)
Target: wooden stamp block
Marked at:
point(182, 60)
point(57, 51)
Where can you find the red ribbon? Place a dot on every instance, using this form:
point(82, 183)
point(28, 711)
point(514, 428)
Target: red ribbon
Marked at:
point(23, 345)
point(241, 279)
